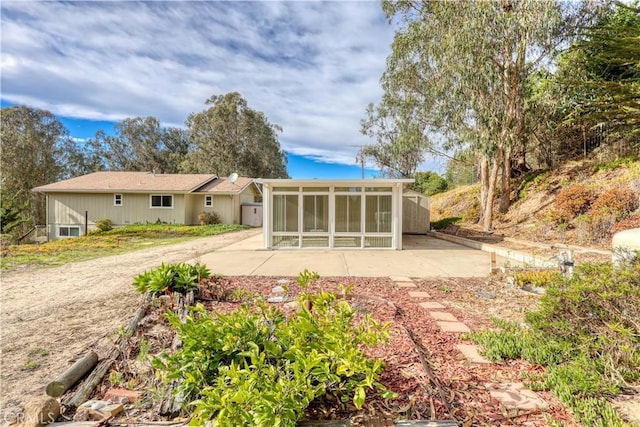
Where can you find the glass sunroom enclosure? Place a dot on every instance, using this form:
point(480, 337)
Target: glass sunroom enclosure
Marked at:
point(321, 214)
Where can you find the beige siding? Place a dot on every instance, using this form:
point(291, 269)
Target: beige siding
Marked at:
point(415, 213)
point(69, 209)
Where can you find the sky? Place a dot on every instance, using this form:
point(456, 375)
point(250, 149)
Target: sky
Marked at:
point(310, 67)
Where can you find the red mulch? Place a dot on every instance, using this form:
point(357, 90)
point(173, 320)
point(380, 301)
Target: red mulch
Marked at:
point(462, 384)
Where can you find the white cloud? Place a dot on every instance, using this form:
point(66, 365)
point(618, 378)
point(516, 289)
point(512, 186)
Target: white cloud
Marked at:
point(311, 67)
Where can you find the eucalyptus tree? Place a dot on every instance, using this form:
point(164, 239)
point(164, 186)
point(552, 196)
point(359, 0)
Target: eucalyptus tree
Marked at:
point(36, 149)
point(229, 136)
point(140, 144)
point(456, 77)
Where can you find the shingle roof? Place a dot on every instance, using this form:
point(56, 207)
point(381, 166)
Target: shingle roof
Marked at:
point(224, 186)
point(108, 181)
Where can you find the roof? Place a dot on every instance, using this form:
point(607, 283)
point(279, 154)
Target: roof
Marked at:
point(330, 182)
point(109, 181)
point(224, 186)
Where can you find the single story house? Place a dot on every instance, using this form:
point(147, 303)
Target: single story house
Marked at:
point(345, 214)
point(73, 206)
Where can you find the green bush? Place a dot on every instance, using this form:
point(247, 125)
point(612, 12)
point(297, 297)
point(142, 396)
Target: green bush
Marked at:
point(429, 183)
point(104, 224)
point(171, 278)
point(257, 367)
point(586, 333)
point(209, 218)
point(538, 278)
point(445, 222)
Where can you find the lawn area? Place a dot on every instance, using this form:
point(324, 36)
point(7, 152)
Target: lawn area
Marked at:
point(98, 244)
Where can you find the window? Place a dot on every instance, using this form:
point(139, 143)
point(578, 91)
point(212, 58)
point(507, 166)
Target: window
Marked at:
point(68, 231)
point(161, 201)
point(117, 200)
point(378, 214)
point(316, 213)
point(208, 201)
point(348, 213)
point(285, 213)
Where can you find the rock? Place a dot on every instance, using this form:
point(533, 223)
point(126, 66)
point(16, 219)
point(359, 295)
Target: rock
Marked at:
point(120, 395)
point(278, 290)
point(283, 282)
point(40, 411)
point(275, 299)
point(487, 295)
point(534, 289)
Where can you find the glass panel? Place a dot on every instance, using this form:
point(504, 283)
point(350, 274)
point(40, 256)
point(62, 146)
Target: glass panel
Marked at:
point(156, 200)
point(285, 212)
point(285, 189)
point(382, 189)
point(349, 189)
point(348, 210)
point(315, 213)
point(346, 241)
point(377, 242)
point(74, 231)
point(315, 189)
point(378, 214)
point(63, 231)
point(167, 201)
point(315, 241)
point(284, 241)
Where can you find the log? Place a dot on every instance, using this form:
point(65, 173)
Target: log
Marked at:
point(171, 403)
point(91, 382)
point(72, 375)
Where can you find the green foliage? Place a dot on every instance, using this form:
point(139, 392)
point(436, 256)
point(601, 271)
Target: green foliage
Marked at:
point(586, 333)
point(209, 218)
point(429, 183)
point(539, 278)
point(257, 367)
point(531, 181)
point(229, 136)
point(169, 278)
point(119, 240)
point(11, 213)
point(104, 224)
point(615, 164)
point(445, 222)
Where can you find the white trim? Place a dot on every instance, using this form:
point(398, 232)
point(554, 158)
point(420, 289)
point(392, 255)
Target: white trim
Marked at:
point(69, 227)
point(115, 199)
point(210, 200)
point(162, 196)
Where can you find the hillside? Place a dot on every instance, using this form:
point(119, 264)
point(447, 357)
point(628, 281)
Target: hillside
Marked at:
point(580, 203)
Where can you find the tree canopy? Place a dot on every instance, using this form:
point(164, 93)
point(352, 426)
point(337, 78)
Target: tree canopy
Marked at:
point(456, 80)
point(36, 150)
point(229, 136)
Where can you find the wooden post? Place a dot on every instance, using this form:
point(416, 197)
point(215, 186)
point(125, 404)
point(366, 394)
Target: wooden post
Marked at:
point(86, 222)
point(492, 266)
point(72, 375)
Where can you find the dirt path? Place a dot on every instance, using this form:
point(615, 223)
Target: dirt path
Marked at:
point(50, 316)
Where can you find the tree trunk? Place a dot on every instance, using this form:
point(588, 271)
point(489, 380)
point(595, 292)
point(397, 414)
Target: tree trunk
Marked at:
point(484, 185)
point(505, 195)
point(487, 222)
point(64, 382)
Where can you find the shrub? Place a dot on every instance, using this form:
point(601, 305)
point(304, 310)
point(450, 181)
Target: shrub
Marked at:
point(209, 218)
point(445, 222)
point(621, 200)
point(539, 278)
point(631, 222)
point(429, 183)
point(586, 332)
point(574, 200)
point(257, 367)
point(171, 278)
point(104, 224)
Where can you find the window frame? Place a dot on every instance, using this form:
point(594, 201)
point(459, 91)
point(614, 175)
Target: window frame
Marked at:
point(69, 227)
point(162, 198)
point(116, 198)
point(208, 201)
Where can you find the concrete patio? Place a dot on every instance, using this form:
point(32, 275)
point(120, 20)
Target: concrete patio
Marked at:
point(422, 256)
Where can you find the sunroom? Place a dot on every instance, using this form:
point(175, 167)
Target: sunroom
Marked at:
point(327, 214)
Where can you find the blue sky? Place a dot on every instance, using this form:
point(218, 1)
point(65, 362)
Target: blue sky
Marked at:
point(311, 67)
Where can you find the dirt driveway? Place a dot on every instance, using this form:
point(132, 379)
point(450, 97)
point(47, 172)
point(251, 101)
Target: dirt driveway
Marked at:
point(50, 316)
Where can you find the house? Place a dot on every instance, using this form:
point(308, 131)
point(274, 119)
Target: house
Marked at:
point(73, 206)
point(346, 214)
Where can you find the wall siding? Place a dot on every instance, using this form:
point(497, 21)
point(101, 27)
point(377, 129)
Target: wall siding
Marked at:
point(69, 209)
